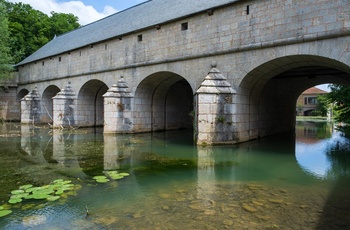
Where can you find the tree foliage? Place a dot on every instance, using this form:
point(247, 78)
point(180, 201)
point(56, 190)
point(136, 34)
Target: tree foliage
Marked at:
point(5, 58)
point(30, 29)
point(340, 98)
point(322, 105)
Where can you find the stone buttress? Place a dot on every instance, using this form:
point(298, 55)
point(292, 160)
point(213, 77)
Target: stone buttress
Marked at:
point(117, 108)
point(214, 110)
point(30, 108)
point(63, 108)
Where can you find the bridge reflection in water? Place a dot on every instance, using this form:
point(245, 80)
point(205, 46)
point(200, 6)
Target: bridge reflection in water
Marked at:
point(269, 182)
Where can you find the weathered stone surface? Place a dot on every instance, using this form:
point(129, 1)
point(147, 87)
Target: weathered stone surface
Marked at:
point(249, 49)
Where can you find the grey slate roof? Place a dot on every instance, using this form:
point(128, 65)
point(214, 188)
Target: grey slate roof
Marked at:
point(141, 16)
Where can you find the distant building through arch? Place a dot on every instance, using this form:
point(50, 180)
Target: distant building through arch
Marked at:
point(307, 101)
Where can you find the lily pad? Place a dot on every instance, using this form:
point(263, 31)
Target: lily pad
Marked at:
point(59, 192)
point(15, 200)
point(41, 196)
point(117, 177)
point(17, 196)
point(4, 212)
point(15, 192)
point(44, 191)
point(124, 174)
point(32, 189)
point(25, 187)
point(105, 180)
point(53, 198)
point(99, 177)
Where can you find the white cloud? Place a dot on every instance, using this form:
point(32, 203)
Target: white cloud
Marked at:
point(86, 14)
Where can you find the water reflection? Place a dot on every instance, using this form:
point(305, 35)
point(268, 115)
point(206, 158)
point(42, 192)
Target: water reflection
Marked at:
point(278, 181)
point(324, 158)
point(317, 156)
point(318, 149)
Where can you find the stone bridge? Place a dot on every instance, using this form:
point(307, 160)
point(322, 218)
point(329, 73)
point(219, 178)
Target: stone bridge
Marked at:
point(230, 69)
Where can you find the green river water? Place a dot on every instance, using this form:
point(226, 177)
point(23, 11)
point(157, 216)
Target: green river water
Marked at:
point(296, 181)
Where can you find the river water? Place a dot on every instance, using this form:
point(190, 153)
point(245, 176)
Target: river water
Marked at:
point(299, 181)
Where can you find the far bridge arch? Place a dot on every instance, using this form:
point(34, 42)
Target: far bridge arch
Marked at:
point(269, 92)
point(47, 103)
point(90, 111)
point(163, 101)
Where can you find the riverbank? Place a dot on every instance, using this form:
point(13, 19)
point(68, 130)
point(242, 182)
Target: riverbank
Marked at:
point(313, 118)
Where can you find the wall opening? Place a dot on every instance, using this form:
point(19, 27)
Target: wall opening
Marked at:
point(90, 109)
point(269, 92)
point(47, 103)
point(163, 101)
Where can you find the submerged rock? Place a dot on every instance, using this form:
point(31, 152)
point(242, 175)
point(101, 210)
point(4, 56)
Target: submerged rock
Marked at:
point(31, 221)
point(249, 208)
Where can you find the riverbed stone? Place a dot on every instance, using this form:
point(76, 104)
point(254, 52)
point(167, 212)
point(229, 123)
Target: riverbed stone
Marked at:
point(276, 201)
point(228, 222)
point(249, 208)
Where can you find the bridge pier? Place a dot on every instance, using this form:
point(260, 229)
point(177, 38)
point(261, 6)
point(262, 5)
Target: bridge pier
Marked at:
point(30, 108)
point(214, 100)
point(118, 116)
point(63, 108)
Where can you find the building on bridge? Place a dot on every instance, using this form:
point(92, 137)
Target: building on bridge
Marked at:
point(230, 69)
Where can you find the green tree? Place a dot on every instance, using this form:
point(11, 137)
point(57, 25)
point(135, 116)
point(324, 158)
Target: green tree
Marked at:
point(30, 29)
point(61, 23)
point(322, 105)
point(5, 58)
point(340, 98)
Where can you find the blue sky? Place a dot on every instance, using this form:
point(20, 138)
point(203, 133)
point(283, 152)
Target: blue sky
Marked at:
point(117, 4)
point(86, 10)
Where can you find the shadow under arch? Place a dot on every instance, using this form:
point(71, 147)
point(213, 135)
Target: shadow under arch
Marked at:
point(47, 103)
point(163, 101)
point(90, 109)
point(270, 91)
point(21, 94)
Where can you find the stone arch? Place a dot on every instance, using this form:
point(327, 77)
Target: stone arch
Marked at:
point(47, 103)
point(90, 111)
point(22, 93)
point(268, 93)
point(163, 101)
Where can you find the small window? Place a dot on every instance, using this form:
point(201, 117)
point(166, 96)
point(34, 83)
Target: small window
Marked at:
point(43, 63)
point(106, 46)
point(139, 37)
point(59, 59)
point(247, 10)
point(184, 26)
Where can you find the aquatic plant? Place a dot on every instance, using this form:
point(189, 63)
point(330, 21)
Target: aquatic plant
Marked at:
point(50, 192)
point(4, 212)
point(114, 175)
point(100, 179)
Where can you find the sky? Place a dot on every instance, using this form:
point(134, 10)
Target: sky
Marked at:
point(324, 87)
point(86, 10)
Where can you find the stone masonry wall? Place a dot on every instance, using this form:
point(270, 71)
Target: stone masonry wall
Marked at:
point(229, 28)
